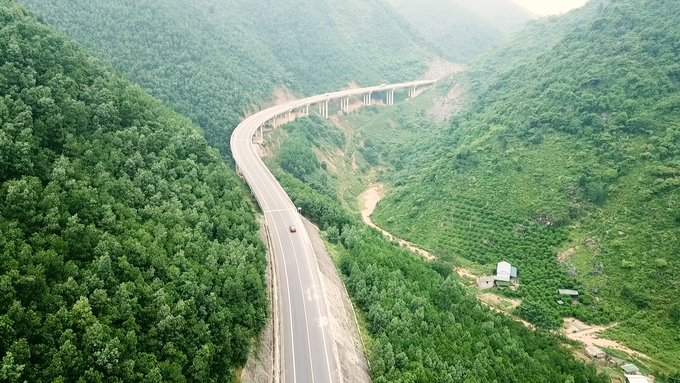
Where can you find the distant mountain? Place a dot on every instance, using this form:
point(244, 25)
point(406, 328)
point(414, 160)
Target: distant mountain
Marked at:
point(214, 60)
point(463, 28)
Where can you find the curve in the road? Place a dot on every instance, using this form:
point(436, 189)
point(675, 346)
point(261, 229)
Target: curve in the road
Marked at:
point(307, 346)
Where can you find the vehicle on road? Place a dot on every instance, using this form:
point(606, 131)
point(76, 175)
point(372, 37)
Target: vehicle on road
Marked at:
point(292, 229)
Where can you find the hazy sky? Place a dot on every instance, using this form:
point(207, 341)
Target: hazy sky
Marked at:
point(550, 7)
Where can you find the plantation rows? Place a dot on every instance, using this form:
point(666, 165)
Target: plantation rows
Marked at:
point(473, 231)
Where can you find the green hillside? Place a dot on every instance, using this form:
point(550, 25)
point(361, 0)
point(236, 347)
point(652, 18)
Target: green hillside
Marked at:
point(463, 28)
point(569, 141)
point(215, 60)
point(420, 324)
point(128, 250)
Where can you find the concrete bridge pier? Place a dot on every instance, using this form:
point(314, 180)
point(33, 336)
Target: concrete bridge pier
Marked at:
point(412, 92)
point(389, 97)
point(323, 108)
point(344, 104)
point(367, 98)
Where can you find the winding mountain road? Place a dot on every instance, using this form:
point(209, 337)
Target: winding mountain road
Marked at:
point(307, 348)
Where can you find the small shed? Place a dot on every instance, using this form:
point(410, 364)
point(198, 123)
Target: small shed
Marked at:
point(636, 379)
point(485, 283)
point(595, 352)
point(505, 271)
point(630, 368)
point(572, 293)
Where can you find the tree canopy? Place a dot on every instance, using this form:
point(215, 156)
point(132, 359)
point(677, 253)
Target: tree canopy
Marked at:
point(128, 249)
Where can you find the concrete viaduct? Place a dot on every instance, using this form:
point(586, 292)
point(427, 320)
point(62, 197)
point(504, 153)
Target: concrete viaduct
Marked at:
point(302, 106)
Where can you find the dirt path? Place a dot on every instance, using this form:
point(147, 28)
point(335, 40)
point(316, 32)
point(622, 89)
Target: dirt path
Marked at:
point(576, 330)
point(370, 199)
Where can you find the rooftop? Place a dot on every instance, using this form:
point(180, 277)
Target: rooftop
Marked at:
point(567, 292)
point(629, 368)
point(504, 269)
point(636, 379)
point(595, 351)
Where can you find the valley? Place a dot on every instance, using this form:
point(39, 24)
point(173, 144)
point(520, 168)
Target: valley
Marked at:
point(143, 240)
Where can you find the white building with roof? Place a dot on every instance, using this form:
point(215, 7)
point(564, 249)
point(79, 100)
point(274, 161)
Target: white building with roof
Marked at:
point(636, 379)
point(505, 272)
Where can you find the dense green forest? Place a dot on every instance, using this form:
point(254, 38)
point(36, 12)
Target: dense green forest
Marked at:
point(422, 325)
point(569, 141)
point(297, 157)
point(463, 29)
point(128, 250)
point(215, 60)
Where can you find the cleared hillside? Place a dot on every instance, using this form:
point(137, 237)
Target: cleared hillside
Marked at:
point(215, 60)
point(463, 28)
point(129, 251)
point(570, 141)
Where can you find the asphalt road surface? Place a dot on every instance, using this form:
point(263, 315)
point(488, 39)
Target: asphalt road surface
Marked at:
point(307, 346)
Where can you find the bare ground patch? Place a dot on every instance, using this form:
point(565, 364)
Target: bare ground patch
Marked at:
point(576, 330)
point(440, 69)
point(566, 255)
point(445, 107)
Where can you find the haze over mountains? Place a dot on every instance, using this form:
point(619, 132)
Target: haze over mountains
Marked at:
point(463, 28)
